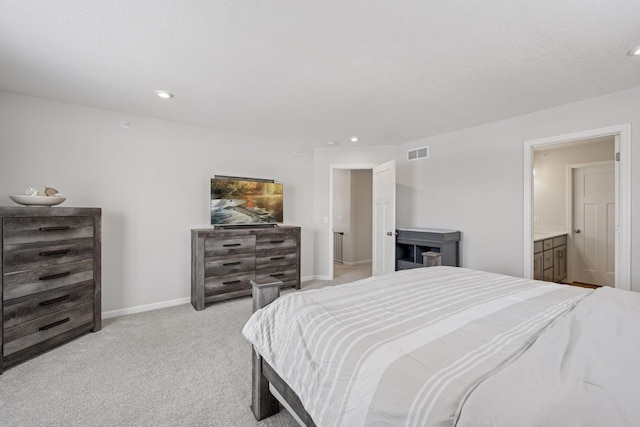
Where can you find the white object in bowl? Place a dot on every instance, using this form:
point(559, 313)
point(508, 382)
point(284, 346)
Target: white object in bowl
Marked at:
point(37, 200)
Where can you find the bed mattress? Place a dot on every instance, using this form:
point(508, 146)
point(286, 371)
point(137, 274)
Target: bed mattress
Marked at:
point(407, 348)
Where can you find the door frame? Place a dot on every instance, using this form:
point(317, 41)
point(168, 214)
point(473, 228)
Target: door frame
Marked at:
point(569, 208)
point(332, 168)
point(622, 134)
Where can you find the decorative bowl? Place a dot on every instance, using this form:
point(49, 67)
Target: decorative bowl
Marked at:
point(37, 200)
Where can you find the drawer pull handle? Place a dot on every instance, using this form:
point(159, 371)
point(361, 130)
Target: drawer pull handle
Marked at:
point(231, 282)
point(57, 228)
point(277, 241)
point(231, 263)
point(59, 252)
point(277, 274)
point(54, 324)
point(229, 245)
point(55, 276)
point(275, 258)
point(54, 300)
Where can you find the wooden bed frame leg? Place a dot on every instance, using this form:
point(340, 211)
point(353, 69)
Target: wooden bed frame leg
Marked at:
point(263, 404)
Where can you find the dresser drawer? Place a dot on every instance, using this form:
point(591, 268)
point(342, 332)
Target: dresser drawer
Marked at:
point(42, 279)
point(30, 333)
point(276, 259)
point(537, 246)
point(24, 309)
point(229, 246)
point(24, 257)
point(216, 285)
point(269, 242)
point(559, 241)
point(288, 275)
point(547, 244)
point(43, 229)
point(229, 264)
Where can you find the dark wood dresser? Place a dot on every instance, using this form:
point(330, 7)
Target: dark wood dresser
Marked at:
point(223, 261)
point(51, 267)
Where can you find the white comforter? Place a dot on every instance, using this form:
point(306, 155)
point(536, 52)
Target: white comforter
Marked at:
point(407, 348)
point(583, 371)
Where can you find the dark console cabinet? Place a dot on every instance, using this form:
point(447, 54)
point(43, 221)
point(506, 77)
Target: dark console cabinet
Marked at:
point(411, 243)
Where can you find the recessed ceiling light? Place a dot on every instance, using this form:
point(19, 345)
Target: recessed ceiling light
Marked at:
point(332, 143)
point(164, 94)
point(354, 139)
point(634, 52)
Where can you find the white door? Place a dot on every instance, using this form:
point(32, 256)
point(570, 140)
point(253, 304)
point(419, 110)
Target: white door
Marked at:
point(593, 233)
point(384, 218)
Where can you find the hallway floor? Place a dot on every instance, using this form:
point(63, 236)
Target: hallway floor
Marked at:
point(342, 273)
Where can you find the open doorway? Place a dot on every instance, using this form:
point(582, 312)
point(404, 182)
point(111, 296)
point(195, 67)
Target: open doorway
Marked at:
point(351, 222)
point(621, 223)
point(574, 212)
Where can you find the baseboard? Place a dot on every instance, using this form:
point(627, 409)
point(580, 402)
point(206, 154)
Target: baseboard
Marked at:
point(316, 277)
point(171, 303)
point(143, 308)
point(366, 261)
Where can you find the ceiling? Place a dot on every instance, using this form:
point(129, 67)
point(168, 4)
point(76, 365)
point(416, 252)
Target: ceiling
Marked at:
point(307, 72)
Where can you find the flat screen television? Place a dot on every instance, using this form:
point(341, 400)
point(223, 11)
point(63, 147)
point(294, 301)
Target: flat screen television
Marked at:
point(237, 201)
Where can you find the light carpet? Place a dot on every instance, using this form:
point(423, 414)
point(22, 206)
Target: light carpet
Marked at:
point(167, 367)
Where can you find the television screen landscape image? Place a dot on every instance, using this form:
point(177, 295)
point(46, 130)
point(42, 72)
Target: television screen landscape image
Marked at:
point(237, 201)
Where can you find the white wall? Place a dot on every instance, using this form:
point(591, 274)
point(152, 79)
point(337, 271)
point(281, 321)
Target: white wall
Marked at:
point(550, 179)
point(361, 214)
point(151, 180)
point(342, 208)
point(473, 180)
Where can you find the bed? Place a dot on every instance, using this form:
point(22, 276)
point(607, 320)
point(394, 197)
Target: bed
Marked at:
point(445, 346)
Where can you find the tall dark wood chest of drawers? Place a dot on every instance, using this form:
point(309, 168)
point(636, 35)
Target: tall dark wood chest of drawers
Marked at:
point(223, 261)
point(51, 266)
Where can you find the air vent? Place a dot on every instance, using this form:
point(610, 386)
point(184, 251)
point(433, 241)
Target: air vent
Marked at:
point(418, 153)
